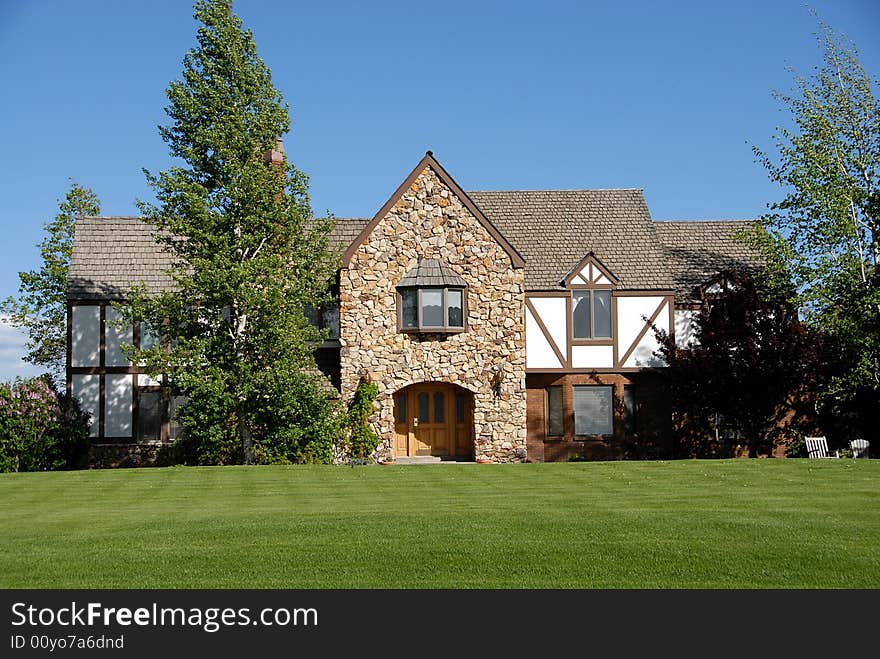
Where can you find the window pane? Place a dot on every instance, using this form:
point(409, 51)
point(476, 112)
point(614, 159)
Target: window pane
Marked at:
point(423, 407)
point(439, 407)
point(149, 335)
point(149, 415)
point(86, 339)
point(330, 320)
point(592, 410)
point(460, 404)
point(580, 315)
point(117, 405)
point(410, 311)
point(554, 411)
point(174, 428)
point(87, 389)
point(432, 307)
point(602, 313)
point(454, 310)
point(401, 408)
point(629, 408)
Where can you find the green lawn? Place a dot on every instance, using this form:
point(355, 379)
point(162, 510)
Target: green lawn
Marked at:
point(682, 524)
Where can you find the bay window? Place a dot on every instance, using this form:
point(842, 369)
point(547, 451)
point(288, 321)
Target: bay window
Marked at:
point(431, 309)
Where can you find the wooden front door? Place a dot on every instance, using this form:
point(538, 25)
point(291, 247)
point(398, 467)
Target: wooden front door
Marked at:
point(433, 419)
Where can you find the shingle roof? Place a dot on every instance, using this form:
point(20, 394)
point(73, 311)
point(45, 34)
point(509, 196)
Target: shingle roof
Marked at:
point(113, 254)
point(552, 229)
point(346, 230)
point(556, 229)
point(698, 249)
point(431, 272)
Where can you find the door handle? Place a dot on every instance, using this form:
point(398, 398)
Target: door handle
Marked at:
point(415, 423)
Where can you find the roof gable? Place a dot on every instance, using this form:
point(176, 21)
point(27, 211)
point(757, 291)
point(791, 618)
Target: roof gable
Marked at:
point(553, 229)
point(430, 162)
point(699, 249)
point(590, 272)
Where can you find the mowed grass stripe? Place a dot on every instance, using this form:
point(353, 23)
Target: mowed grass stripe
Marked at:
point(677, 524)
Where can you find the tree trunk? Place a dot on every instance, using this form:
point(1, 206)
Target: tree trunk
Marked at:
point(244, 434)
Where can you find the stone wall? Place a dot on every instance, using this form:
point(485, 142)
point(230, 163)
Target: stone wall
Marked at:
point(111, 456)
point(429, 221)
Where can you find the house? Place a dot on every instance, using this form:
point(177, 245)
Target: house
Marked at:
point(503, 325)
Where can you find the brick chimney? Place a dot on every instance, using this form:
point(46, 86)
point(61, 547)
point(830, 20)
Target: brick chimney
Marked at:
point(275, 156)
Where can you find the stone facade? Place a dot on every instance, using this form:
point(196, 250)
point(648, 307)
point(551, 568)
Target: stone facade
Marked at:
point(429, 221)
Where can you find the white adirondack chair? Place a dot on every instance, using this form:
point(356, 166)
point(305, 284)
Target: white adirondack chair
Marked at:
point(817, 447)
point(859, 448)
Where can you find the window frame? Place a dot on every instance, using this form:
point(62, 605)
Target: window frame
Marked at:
point(420, 328)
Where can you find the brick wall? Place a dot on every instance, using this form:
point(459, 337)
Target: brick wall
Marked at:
point(653, 432)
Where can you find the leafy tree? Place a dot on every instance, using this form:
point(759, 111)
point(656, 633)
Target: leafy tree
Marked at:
point(824, 234)
point(249, 259)
point(41, 306)
point(749, 370)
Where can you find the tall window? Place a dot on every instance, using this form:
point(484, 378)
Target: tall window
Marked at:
point(629, 409)
point(149, 415)
point(591, 314)
point(554, 411)
point(431, 309)
point(593, 410)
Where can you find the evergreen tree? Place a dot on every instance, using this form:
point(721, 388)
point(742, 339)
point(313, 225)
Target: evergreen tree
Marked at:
point(249, 259)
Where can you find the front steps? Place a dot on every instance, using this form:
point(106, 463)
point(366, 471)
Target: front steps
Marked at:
point(418, 460)
point(429, 460)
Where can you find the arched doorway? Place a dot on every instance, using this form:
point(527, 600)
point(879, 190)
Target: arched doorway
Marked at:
point(434, 418)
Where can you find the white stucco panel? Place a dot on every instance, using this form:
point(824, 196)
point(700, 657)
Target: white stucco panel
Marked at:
point(539, 353)
point(117, 406)
point(87, 389)
point(684, 327)
point(592, 357)
point(643, 354)
point(551, 311)
point(85, 335)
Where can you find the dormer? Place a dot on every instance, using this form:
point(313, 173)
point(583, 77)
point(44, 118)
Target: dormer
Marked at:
point(590, 284)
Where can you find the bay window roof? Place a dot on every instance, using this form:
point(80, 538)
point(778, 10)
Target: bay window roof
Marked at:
point(431, 273)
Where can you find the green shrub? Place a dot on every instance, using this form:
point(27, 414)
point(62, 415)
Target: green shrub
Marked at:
point(796, 448)
point(362, 439)
point(296, 421)
point(41, 429)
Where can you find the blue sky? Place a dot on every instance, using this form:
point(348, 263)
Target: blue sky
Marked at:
point(668, 97)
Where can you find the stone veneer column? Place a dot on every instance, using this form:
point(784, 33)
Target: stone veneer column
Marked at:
point(429, 221)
